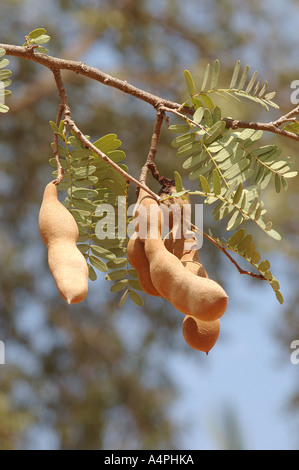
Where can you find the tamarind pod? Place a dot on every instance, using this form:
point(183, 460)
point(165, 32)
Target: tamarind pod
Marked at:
point(200, 335)
point(192, 262)
point(192, 295)
point(137, 258)
point(59, 232)
point(188, 257)
point(147, 216)
point(69, 271)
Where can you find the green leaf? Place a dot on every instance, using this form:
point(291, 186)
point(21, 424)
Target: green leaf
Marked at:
point(102, 252)
point(243, 77)
point(196, 103)
point(4, 63)
point(264, 266)
point(189, 82)
point(91, 273)
point(200, 171)
point(244, 243)
point(124, 298)
point(236, 237)
point(85, 193)
point(42, 50)
point(119, 285)
point(235, 75)
point(277, 183)
point(178, 181)
point(208, 118)
point(36, 33)
point(204, 183)
point(235, 169)
point(179, 128)
point(136, 298)
point(43, 39)
point(215, 74)
point(135, 284)
point(214, 132)
point(207, 100)
point(98, 263)
point(198, 115)
point(217, 114)
point(234, 221)
point(3, 108)
point(216, 182)
point(279, 297)
point(269, 96)
point(251, 83)
point(291, 174)
point(83, 247)
point(194, 160)
point(189, 149)
point(252, 206)
point(263, 89)
point(205, 78)
point(2, 52)
point(117, 263)
point(183, 139)
point(238, 194)
point(107, 143)
point(4, 74)
point(116, 275)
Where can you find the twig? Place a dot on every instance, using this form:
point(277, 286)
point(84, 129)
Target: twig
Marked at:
point(149, 164)
point(63, 108)
point(269, 127)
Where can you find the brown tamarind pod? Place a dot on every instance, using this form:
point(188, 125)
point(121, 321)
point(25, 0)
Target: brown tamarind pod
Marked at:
point(137, 258)
point(185, 250)
point(59, 232)
point(193, 295)
point(147, 216)
point(200, 335)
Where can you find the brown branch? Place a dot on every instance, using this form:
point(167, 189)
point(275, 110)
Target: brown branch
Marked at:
point(154, 100)
point(269, 126)
point(90, 72)
point(149, 164)
point(63, 109)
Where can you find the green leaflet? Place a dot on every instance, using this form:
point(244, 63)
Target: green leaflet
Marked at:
point(189, 83)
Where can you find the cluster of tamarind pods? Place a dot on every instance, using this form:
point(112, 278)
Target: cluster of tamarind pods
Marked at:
point(165, 267)
point(169, 268)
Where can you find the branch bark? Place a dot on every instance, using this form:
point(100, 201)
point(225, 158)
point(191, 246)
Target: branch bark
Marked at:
point(154, 100)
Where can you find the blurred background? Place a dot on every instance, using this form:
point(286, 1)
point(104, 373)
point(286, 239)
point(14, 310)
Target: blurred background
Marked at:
point(93, 376)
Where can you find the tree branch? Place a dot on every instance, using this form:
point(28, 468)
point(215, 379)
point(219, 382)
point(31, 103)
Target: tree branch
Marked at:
point(269, 127)
point(90, 72)
point(154, 100)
